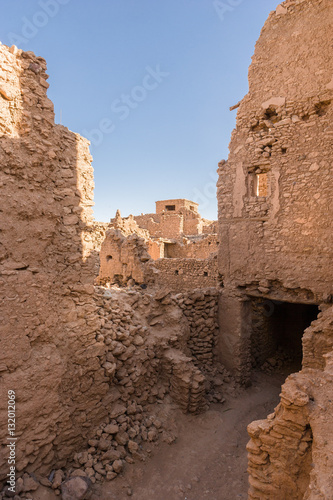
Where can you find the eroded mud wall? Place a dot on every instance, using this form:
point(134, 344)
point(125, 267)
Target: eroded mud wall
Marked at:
point(70, 352)
point(48, 313)
point(275, 199)
point(275, 190)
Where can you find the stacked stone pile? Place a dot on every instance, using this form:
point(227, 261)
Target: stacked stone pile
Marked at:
point(200, 308)
point(219, 382)
point(187, 383)
point(138, 331)
point(120, 440)
point(129, 433)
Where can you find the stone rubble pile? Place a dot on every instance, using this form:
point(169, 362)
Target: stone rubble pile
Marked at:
point(146, 339)
point(79, 351)
point(147, 347)
point(280, 359)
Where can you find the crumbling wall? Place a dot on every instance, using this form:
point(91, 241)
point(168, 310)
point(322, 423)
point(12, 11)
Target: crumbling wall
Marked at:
point(126, 258)
point(200, 247)
point(276, 240)
point(48, 335)
point(69, 355)
point(209, 227)
point(165, 225)
point(290, 453)
point(185, 274)
point(192, 222)
point(122, 258)
point(274, 192)
point(128, 226)
point(145, 337)
point(174, 224)
point(284, 129)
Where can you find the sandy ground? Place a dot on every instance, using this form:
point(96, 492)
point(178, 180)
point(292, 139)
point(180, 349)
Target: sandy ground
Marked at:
point(208, 460)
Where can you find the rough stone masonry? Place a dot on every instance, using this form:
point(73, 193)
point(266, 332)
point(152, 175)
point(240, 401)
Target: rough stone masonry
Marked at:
point(72, 353)
point(276, 246)
point(87, 364)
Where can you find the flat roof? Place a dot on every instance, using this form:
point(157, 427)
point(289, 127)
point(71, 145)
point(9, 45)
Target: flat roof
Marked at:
point(177, 199)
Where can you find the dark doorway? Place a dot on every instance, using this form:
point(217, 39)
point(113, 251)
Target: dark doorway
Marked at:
point(277, 331)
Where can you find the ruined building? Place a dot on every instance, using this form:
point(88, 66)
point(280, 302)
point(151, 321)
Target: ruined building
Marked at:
point(276, 246)
point(174, 247)
point(87, 364)
point(92, 365)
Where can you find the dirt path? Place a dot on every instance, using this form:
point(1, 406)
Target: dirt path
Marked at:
point(208, 461)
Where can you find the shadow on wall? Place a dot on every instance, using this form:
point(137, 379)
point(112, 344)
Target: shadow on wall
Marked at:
point(49, 354)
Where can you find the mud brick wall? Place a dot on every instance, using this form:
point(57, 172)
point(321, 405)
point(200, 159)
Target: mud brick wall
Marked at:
point(126, 258)
point(128, 225)
point(56, 354)
point(279, 246)
point(178, 204)
point(194, 248)
point(192, 223)
point(170, 225)
point(122, 258)
point(284, 132)
point(276, 237)
point(209, 227)
point(175, 224)
point(49, 318)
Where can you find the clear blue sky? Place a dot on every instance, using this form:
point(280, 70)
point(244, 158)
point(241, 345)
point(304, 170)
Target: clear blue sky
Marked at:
point(154, 80)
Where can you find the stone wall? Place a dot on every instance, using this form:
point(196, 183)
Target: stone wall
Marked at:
point(275, 233)
point(70, 355)
point(122, 258)
point(174, 224)
point(166, 225)
point(199, 247)
point(126, 260)
point(128, 226)
point(178, 203)
point(290, 453)
point(145, 336)
point(184, 274)
point(46, 273)
point(209, 227)
point(274, 192)
point(200, 307)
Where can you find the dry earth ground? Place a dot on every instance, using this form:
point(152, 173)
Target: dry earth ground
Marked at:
point(208, 461)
